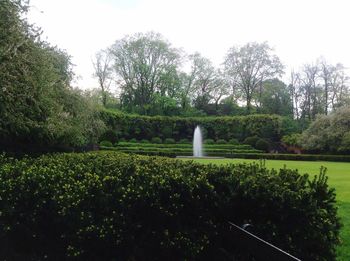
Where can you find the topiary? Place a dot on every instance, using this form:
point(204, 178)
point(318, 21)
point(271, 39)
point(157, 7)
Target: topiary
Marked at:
point(106, 143)
point(251, 140)
point(184, 141)
point(262, 144)
point(156, 140)
point(233, 141)
point(169, 141)
point(221, 141)
point(209, 141)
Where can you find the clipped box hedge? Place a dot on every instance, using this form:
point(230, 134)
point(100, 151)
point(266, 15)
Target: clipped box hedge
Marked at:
point(114, 206)
point(128, 126)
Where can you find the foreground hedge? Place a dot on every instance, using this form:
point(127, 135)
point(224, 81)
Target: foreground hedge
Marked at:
point(128, 126)
point(114, 206)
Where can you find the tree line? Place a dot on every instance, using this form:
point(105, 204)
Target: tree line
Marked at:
point(37, 103)
point(154, 78)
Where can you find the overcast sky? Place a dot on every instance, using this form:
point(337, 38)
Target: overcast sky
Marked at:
point(299, 30)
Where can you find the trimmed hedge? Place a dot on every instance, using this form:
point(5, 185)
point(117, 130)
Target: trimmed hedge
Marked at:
point(114, 206)
point(241, 155)
point(237, 127)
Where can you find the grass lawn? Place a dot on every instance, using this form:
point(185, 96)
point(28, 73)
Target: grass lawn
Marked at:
point(339, 178)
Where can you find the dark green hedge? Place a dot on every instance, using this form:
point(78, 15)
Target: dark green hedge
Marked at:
point(114, 206)
point(237, 127)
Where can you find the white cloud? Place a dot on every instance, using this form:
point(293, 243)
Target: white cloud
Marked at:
point(300, 30)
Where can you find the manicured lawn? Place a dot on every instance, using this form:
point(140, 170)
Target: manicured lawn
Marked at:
point(339, 178)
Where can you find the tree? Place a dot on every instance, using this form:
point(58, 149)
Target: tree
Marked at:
point(141, 62)
point(35, 96)
point(249, 66)
point(275, 98)
point(103, 72)
point(328, 133)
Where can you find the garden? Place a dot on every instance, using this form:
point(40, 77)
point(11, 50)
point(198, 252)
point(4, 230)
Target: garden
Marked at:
point(93, 174)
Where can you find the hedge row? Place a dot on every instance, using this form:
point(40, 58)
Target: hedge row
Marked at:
point(209, 146)
point(242, 155)
point(238, 127)
point(179, 151)
point(113, 206)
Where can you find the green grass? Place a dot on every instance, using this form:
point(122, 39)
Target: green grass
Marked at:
point(339, 178)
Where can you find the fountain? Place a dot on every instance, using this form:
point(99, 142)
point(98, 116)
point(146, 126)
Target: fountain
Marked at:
point(197, 143)
point(198, 146)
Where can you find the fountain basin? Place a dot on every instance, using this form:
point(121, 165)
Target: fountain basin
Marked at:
point(194, 157)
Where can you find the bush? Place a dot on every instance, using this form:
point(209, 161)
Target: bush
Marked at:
point(169, 141)
point(144, 141)
point(133, 140)
point(221, 141)
point(233, 141)
point(184, 141)
point(156, 140)
point(114, 206)
point(109, 135)
point(209, 141)
point(292, 139)
point(106, 143)
point(263, 145)
point(251, 141)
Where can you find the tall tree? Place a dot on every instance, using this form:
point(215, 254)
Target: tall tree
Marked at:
point(249, 66)
point(141, 61)
point(103, 72)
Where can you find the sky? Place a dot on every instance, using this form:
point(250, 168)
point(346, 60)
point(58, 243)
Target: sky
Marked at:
point(300, 31)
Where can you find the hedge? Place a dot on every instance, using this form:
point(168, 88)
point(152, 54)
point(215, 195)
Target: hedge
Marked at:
point(243, 155)
point(181, 145)
point(114, 206)
point(238, 127)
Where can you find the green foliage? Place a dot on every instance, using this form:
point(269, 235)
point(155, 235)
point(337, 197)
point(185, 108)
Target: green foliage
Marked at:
point(328, 133)
point(209, 141)
point(221, 141)
point(292, 139)
point(263, 145)
point(251, 141)
point(133, 140)
point(106, 143)
point(169, 141)
point(238, 127)
point(233, 141)
point(109, 135)
point(184, 141)
point(156, 140)
point(144, 141)
point(38, 107)
point(105, 206)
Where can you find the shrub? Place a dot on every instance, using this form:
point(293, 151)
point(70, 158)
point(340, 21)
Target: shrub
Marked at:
point(184, 141)
point(144, 141)
point(169, 141)
point(106, 143)
point(133, 140)
point(292, 139)
point(263, 145)
point(209, 141)
point(221, 141)
point(122, 140)
point(233, 141)
point(109, 135)
point(251, 141)
point(156, 140)
point(114, 206)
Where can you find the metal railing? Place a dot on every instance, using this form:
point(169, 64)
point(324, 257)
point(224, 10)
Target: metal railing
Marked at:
point(258, 248)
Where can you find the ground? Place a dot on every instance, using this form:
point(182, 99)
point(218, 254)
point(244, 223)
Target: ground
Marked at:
point(339, 178)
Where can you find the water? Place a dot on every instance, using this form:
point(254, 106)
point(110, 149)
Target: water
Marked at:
point(197, 143)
